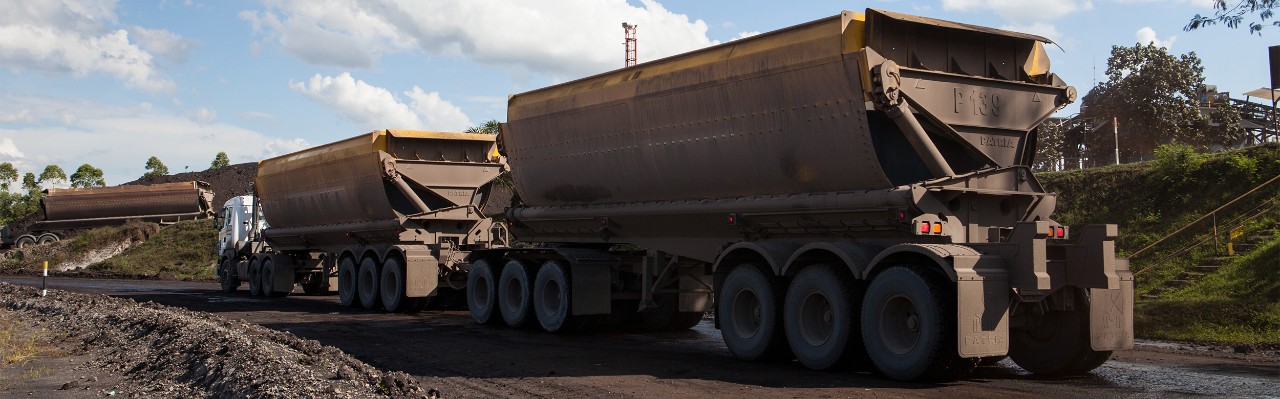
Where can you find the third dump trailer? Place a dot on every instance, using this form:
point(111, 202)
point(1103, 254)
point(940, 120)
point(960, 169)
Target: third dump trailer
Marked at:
point(65, 211)
point(390, 215)
point(852, 189)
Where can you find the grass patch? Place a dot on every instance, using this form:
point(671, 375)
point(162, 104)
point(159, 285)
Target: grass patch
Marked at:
point(19, 342)
point(182, 250)
point(31, 260)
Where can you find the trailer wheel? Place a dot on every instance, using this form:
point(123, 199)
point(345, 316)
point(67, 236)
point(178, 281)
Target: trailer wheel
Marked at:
point(515, 298)
point(48, 238)
point(1059, 344)
point(347, 279)
point(552, 299)
point(481, 294)
point(908, 326)
point(819, 314)
point(749, 319)
point(227, 275)
point(25, 241)
point(255, 277)
point(393, 289)
point(368, 283)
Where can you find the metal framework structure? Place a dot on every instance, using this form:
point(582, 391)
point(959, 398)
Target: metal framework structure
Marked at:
point(629, 33)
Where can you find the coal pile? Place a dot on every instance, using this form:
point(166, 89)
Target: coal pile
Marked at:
point(226, 182)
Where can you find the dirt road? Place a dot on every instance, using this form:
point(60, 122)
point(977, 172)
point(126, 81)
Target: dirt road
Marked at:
point(447, 351)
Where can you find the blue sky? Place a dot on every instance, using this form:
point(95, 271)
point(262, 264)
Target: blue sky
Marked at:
point(112, 83)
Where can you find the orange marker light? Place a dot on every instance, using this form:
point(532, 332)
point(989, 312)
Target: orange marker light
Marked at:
point(937, 228)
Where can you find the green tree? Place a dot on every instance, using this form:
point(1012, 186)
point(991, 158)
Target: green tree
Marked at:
point(490, 127)
point(1155, 97)
point(53, 176)
point(1050, 139)
point(219, 161)
point(8, 176)
point(30, 183)
point(1233, 13)
point(1224, 125)
point(155, 168)
point(87, 176)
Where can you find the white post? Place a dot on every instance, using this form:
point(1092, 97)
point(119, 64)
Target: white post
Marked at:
point(1115, 131)
point(44, 280)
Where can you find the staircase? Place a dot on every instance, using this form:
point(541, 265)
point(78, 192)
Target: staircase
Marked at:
point(1212, 264)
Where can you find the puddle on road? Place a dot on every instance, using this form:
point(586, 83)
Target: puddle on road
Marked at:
point(1162, 379)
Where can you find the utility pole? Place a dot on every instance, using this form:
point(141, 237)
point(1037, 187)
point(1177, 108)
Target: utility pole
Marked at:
point(629, 34)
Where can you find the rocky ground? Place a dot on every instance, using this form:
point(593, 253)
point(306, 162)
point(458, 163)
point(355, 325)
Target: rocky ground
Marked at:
point(104, 346)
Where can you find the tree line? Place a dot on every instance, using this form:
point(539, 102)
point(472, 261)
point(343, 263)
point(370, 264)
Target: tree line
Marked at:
point(18, 201)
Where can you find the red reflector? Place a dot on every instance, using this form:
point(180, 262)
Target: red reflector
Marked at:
point(924, 227)
point(1062, 232)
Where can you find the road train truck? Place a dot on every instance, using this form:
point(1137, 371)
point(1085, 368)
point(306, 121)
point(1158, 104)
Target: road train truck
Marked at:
point(66, 211)
point(853, 190)
point(388, 216)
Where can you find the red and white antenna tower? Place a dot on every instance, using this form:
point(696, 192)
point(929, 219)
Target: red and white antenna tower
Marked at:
point(630, 35)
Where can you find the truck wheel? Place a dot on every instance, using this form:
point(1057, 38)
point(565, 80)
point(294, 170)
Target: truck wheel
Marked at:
point(749, 319)
point(1059, 344)
point(269, 274)
point(515, 298)
point(314, 284)
point(227, 276)
point(255, 277)
point(393, 289)
point(668, 317)
point(908, 326)
point(481, 295)
point(48, 238)
point(25, 241)
point(819, 314)
point(368, 283)
point(551, 299)
point(347, 279)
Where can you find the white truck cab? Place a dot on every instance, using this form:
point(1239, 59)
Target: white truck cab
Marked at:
point(235, 223)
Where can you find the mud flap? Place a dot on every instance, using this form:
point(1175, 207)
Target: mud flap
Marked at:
point(284, 273)
point(590, 293)
point(421, 272)
point(982, 306)
point(1111, 315)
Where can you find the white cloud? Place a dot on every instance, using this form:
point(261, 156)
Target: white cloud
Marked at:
point(374, 107)
point(256, 115)
point(77, 38)
point(1036, 28)
point(203, 116)
point(744, 35)
point(164, 43)
point(24, 115)
point(1021, 10)
point(120, 139)
point(1146, 35)
point(562, 37)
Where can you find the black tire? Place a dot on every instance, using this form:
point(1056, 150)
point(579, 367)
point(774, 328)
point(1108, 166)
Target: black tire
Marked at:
point(255, 277)
point(47, 238)
point(667, 316)
point(481, 292)
point(552, 300)
point(24, 241)
point(820, 315)
point(269, 273)
point(227, 276)
point(347, 280)
point(750, 320)
point(515, 294)
point(315, 284)
point(392, 288)
point(908, 326)
point(1059, 344)
point(367, 283)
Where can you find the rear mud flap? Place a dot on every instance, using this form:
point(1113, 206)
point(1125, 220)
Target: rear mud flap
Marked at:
point(1111, 316)
point(982, 306)
point(422, 272)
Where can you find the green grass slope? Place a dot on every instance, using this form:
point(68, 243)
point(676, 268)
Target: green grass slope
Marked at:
point(179, 251)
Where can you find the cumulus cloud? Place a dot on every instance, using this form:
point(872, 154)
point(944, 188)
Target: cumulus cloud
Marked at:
point(744, 35)
point(203, 116)
point(1021, 10)
point(1146, 35)
point(167, 44)
point(377, 108)
point(120, 139)
point(74, 37)
point(21, 116)
point(561, 37)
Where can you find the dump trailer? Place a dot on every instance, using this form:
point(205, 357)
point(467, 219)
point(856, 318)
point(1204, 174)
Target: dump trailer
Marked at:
point(66, 211)
point(389, 216)
point(855, 190)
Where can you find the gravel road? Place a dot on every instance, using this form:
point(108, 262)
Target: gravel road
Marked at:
point(446, 351)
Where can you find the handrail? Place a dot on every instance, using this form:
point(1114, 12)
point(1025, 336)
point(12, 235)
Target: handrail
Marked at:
point(1202, 218)
point(1241, 222)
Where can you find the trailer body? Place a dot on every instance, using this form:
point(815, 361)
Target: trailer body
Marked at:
point(393, 207)
point(66, 211)
point(863, 176)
